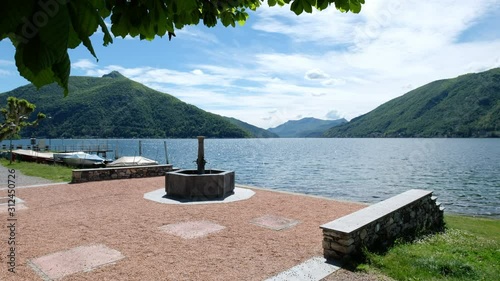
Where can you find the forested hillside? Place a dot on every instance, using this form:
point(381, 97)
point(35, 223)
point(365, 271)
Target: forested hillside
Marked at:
point(466, 106)
point(116, 107)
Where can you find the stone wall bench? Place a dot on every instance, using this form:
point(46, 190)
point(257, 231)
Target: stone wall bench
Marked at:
point(376, 227)
point(99, 174)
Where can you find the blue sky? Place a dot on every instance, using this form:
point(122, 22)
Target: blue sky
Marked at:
point(280, 67)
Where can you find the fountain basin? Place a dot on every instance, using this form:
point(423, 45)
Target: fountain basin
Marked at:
point(188, 184)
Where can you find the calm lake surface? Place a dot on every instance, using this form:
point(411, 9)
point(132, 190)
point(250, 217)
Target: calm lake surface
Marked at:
point(463, 173)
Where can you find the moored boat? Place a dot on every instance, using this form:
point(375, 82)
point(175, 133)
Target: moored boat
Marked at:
point(126, 161)
point(32, 156)
point(79, 159)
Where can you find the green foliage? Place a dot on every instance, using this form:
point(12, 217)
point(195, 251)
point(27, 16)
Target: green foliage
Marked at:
point(57, 173)
point(116, 107)
point(42, 31)
point(466, 251)
point(483, 227)
point(15, 117)
point(466, 106)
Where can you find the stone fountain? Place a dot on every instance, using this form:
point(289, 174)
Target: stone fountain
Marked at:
point(199, 184)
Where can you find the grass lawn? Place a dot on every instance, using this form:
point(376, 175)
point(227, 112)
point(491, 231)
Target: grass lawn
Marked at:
point(469, 249)
point(56, 173)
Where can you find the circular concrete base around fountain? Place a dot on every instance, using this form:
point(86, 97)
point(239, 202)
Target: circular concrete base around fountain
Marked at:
point(188, 184)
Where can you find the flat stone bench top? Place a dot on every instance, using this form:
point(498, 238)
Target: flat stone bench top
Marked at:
point(358, 219)
point(122, 168)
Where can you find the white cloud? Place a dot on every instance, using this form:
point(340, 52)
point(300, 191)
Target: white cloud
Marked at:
point(6, 63)
point(318, 94)
point(336, 65)
point(7, 68)
point(333, 115)
point(333, 82)
point(84, 64)
point(192, 33)
point(328, 27)
point(316, 74)
point(197, 72)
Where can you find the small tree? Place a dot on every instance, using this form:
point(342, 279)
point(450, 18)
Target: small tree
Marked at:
point(16, 117)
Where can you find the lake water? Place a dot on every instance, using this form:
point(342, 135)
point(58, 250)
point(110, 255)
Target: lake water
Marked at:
point(463, 173)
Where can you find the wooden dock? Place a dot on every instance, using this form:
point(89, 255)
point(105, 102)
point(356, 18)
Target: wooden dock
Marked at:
point(100, 150)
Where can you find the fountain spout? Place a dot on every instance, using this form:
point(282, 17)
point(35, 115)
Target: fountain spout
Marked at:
point(199, 184)
point(201, 156)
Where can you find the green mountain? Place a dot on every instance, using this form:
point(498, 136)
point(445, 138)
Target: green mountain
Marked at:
point(466, 106)
point(255, 131)
point(116, 107)
point(305, 127)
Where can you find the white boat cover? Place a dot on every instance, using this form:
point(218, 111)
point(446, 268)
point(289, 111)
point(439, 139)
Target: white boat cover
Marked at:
point(31, 153)
point(131, 161)
point(78, 155)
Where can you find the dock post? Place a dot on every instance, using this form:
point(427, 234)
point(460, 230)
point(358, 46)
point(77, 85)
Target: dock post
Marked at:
point(166, 154)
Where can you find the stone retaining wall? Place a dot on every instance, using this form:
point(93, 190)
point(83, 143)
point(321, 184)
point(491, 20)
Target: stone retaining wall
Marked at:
point(376, 227)
point(99, 174)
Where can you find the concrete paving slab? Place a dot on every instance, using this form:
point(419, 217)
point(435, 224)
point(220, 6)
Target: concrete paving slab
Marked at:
point(274, 222)
point(192, 229)
point(7, 203)
point(80, 259)
point(159, 196)
point(313, 269)
point(6, 200)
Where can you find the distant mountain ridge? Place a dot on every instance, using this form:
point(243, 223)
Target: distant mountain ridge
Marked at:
point(305, 128)
point(465, 106)
point(255, 131)
point(114, 106)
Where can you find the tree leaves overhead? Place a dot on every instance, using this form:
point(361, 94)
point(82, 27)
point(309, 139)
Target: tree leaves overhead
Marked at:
point(43, 30)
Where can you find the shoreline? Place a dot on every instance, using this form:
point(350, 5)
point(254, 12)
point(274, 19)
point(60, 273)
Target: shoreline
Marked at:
point(35, 182)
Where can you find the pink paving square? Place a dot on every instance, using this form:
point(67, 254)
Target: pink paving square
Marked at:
point(192, 229)
point(18, 207)
point(6, 203)
point(274, 222)
point(79, 259)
